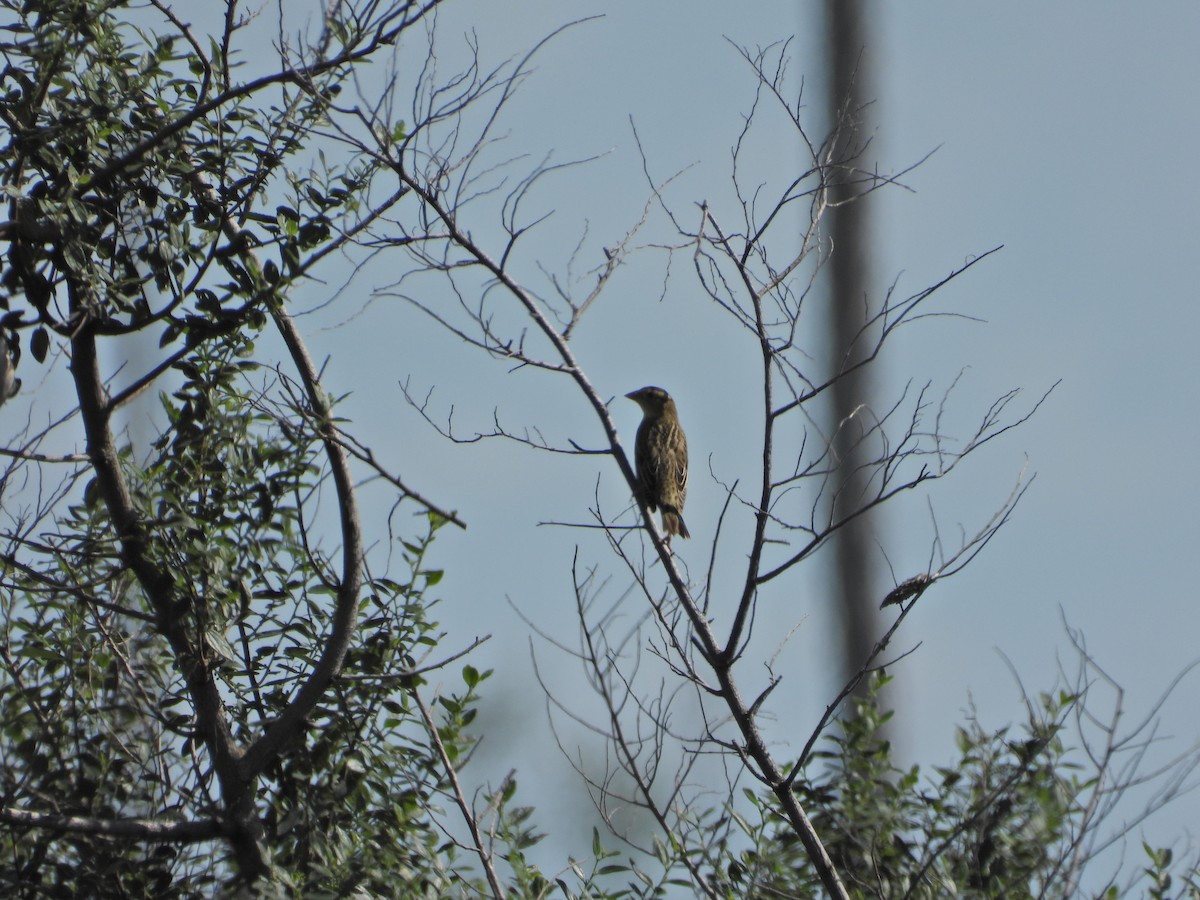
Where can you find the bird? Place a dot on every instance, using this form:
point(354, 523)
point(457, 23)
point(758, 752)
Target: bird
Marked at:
point(9, 383)
point(660, 452)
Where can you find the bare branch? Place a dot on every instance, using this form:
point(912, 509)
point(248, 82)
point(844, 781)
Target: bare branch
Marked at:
point(460, 799)
point(150, 830)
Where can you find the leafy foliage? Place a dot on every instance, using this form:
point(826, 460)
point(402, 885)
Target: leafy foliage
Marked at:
point(164, 607)
point(1003, 819)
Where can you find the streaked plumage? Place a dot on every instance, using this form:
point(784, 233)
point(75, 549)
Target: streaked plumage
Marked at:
point(660, 453)
point(9, 383)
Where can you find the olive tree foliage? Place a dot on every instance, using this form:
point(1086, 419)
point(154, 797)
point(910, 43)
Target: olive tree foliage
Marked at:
point(179, 609)
point(216, 674)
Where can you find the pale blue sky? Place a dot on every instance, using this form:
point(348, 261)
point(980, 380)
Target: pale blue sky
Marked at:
point(1065, 132)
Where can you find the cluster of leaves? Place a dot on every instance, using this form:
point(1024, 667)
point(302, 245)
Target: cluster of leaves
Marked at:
point(993, 823)
point(354, 809)
point(134, 178)
point(1002, 820)
point(80, 734)
point(95, 716)
point(130, 153)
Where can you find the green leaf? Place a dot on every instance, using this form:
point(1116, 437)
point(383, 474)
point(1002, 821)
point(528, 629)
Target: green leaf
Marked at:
point(39, 344)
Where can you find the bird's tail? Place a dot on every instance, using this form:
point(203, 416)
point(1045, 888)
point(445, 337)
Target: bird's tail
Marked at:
point(673, 523)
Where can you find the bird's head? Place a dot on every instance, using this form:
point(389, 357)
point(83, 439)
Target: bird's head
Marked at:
point(650, 399)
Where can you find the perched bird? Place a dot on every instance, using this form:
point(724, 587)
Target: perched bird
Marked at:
point(660, 453)
point(9, 383)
